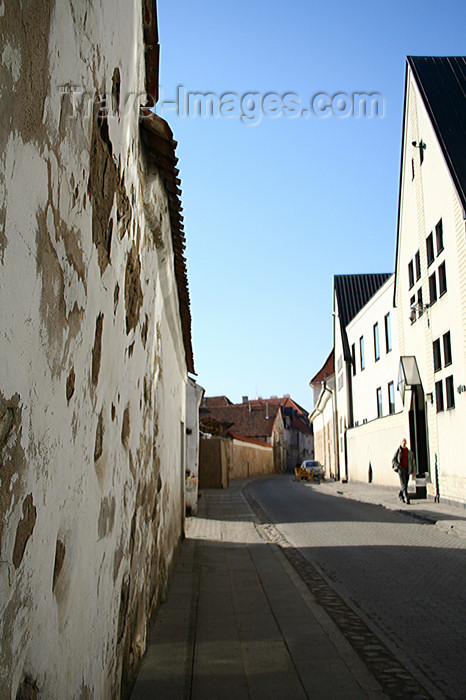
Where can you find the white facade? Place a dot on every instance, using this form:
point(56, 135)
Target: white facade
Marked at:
point(322, 418)
point(366, 390)
point(93, 372)
point(428, 201)
point(194, 394)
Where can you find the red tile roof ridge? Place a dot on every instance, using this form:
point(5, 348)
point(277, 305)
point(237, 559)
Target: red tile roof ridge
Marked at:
point(243, 438)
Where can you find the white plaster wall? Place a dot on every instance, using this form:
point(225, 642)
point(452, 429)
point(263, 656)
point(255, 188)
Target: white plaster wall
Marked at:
point(194, 394)
point(424, 200)
point(372, 446)
point(91, 411)
point(340, 391)
point(376, 373)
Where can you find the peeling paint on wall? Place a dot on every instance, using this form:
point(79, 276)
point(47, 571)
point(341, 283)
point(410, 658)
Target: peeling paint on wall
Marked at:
point(90, 503)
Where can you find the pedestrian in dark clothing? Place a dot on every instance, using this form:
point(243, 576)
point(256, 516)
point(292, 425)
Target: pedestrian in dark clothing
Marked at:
point(404, 463)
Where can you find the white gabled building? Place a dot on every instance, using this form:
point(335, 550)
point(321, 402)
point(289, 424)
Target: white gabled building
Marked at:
point(366, 367)
point(400, 340)
point(430, 278)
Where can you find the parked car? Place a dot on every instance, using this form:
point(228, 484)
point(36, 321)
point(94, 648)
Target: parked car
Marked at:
point(313, 465)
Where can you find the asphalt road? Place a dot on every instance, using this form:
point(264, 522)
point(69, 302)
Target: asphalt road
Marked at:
point(405, 578)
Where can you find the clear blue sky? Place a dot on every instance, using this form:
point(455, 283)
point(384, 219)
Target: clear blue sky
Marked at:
point(274, 210)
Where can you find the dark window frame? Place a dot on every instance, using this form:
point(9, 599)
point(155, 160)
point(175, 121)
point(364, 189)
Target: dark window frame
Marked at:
point(449, 392)
point(378, 392)
point(376, 342)
point(388, 332)
point(432, 289)
point(410, 274)
point(430, 249)
point(439, 402)
point(439, 236)
point(417, 262)
point(391, 398)
point(437, 355)
point(442, 279)
point(447, 356)
point(362, 359)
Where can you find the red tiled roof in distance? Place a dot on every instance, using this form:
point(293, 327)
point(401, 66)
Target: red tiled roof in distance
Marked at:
point(327, 370)
point(251, 440)
point(285, 401)
point(248, 422)
point(216, 401)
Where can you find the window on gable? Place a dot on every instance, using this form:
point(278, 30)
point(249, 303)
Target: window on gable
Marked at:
point(410, 274)
point(439, 396)
point(376, 342)
point(412, 168)
point(430, 249)
point(437, 355)
point(450, 392)
point(447, 349)
point(439, 236)
point(353, 358)
point(379, 403)
point(417, 260)
point(361, 352)
point(388, 333)
point(391, 398)
point(442, 279)
point(432, 289)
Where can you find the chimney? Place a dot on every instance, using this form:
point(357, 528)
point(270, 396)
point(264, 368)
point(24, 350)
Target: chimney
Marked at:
point(266, 410)
point(245, 399)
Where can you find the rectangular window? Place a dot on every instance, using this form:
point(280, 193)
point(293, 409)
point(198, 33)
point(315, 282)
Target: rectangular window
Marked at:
point(353, 358)
point(439, 236)
point(418, 265)
point(437, 355)
point(412, 168)
point(410, 274)
point(379, 403)
point(432, 289)
point(376, 342)
point(361, 352)
point(430, 249)
point(442, 279)
point(420, 307)
point(391, 398)
point(447, 359)
point(439, 396)
point(412, 304)
point(450, 392)
point(388, 333)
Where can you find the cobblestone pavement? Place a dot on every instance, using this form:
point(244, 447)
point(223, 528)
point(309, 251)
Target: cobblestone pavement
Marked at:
point(239, 622)
point(393, 584)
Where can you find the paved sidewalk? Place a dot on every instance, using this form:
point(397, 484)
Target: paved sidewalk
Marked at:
point(451, 519)
point(239, 622)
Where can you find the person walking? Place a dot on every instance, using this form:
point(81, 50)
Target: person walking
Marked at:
point(404, 463)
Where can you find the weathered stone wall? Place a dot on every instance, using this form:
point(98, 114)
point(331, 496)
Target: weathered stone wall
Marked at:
point(215, 455)
point(250, 460)
point(93, 379)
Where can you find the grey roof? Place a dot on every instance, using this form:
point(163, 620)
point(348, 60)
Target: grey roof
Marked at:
point(442, 83)
point(352, 293)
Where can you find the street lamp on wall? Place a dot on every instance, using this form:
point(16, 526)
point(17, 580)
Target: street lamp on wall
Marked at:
point(416, 310)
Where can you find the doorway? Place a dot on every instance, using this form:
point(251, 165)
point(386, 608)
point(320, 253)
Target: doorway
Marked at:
point(418, 429)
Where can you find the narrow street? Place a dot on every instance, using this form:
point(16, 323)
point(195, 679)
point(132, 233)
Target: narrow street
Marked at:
point(402, 577)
